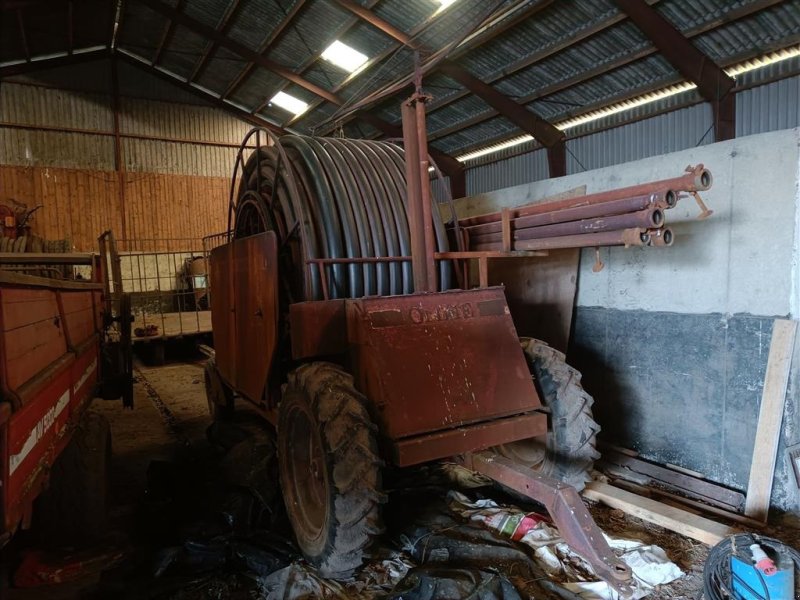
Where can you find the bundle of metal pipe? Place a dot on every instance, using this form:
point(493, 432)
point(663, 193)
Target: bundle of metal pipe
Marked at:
point(631, 216)
point(329, 198)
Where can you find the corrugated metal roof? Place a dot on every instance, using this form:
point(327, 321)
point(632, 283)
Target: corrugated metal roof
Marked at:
point(309, 33)
point(258, 20)
point(568, 57)
point(47, 28)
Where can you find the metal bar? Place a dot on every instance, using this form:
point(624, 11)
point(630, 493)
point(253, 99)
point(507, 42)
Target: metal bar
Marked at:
point(114, 22)
point(23, 36)
point(238, 48)
point(697, 178)
point(277, 32)
point(425, 190)
point(545, 132)
point(227, 22)
point(358, 260)
point(166, 37)
point(119, 163)
point(36, 64)
point(373, 19)
point(476, 254)
point(46, 258)
point(414, 198)
point(313, 58)
point(131, 136)
point(711, 80)
point(70, 28)
point(729, 17)
point(567, 510)
point(427, 447)
point(625, 237)
point(649, 218)
point(661, 200)
point(497, 24)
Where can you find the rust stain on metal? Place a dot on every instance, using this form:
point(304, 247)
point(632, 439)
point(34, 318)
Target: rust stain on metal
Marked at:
point(431, 362)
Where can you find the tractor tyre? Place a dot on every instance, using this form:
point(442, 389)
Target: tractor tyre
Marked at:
point(570, 448)
point(73, 510)
point(218, 394)
point(329, 468)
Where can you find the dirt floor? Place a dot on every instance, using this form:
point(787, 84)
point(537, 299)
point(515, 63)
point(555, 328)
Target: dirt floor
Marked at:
point(170, 484)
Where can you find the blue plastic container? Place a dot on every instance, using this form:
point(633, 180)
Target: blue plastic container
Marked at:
point(749, 583)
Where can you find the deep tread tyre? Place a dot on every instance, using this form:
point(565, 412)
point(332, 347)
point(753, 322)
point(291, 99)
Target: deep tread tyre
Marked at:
point(219, 395)
point(73, 510)
point(329, 468)
point(569, 452)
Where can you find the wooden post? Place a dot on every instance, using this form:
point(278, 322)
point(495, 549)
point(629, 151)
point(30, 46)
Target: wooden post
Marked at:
point(770, 416)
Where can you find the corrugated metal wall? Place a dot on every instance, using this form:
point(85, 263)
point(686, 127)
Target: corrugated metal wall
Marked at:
point(57, 150)
point(516, 170)
point(38, 106)
point(670, 132)
point(760, 109)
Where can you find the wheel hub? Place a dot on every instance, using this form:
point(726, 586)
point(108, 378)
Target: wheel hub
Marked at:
point(308, 489)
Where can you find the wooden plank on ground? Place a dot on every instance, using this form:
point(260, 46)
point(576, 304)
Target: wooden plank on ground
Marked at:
point(773, 398)
point(672, 518)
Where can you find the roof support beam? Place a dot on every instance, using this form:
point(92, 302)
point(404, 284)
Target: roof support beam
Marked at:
point(227, 22)
point(237, 48)
point(35, 64)
point(712, 82)
point(511, 17)
point(313, 58)
point(633, 56)
point(23, 36)
point(265, 47)
point(166, 37)
point(70, 28)
point(530, 123)
point(145, 65)
point(543, 131)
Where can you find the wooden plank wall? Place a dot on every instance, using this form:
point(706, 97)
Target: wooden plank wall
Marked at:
point(80, 204)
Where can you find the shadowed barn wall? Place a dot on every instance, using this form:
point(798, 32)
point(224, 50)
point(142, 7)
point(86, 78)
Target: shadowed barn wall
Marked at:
point(673, 343)
point(170, 178)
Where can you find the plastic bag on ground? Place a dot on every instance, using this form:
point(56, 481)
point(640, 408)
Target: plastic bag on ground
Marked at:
point(649, 564)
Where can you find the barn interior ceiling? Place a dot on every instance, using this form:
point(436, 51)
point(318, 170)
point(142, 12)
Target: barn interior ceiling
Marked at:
point(499, 73)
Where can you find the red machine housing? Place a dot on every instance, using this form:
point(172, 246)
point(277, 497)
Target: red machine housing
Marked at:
point(49, 354)
point(444, 372)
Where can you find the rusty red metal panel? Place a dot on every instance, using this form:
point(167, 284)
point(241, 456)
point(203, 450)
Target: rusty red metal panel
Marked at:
point(223, 321)
point(566, 508)
point(318, 328)
point(430, 362)
point(38, 432)
point(255, 282)
point(450, 442)
point(32, 335)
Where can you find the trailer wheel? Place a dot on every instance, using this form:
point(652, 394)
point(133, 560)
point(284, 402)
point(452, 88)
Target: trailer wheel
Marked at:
point(218, 394)
point(570, 449)
point(74, 507)
point(329, 468)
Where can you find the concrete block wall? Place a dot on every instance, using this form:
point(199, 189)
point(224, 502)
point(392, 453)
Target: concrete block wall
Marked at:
point(673, 343)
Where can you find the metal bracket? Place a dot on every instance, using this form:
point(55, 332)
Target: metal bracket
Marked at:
point(567, 510)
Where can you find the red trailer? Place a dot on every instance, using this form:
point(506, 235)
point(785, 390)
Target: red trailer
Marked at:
point(62, 344)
